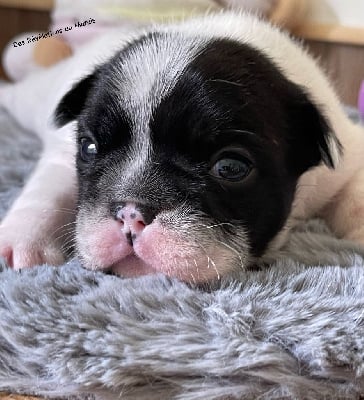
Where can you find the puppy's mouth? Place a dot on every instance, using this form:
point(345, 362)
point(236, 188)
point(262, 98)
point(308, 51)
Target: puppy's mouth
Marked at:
point(156, 249)
point(131, 266)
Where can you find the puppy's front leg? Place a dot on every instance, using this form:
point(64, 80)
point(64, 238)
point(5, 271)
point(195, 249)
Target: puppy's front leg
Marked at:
point(35, 228)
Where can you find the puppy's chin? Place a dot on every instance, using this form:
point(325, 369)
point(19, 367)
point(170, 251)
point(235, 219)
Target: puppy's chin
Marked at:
point(159, 249)
point(132, 266)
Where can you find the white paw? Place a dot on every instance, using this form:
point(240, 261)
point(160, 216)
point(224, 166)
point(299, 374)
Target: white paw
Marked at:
point(32, 237)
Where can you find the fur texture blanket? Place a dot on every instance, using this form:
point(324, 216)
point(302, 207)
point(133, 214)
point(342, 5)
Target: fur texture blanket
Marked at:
point(293, 330)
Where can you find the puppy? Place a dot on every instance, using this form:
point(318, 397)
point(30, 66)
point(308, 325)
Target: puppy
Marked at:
point(198, 146)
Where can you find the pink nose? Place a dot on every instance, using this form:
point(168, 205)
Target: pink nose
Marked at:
point(132, 221)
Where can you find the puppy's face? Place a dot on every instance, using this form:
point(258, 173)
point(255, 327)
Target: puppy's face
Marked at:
point(189, 155)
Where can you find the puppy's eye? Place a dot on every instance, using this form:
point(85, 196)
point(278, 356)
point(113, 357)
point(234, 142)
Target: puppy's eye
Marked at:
point(88, 149)
point(233, 168)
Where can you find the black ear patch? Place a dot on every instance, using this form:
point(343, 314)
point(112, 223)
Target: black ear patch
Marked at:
point(310, 135)
point(73, 102)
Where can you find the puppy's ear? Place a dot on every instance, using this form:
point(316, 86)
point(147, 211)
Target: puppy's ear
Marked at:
point(73, 102)
point(312, 138)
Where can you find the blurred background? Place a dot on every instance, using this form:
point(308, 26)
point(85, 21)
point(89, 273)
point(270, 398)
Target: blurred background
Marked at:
point(332, 29)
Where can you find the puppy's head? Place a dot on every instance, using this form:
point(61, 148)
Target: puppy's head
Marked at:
point(189, 154)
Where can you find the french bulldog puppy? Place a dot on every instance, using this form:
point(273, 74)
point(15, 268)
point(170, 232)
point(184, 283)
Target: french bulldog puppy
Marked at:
point(198, 145)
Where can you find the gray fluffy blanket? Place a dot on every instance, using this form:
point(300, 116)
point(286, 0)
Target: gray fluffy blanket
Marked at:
point(294, 330)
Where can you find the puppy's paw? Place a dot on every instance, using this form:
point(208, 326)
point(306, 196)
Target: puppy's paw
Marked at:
point(29, 238)
point(26, 254)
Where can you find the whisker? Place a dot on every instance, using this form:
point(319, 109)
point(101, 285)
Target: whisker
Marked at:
point(234, 251)
point(307, 185)
point(240, 131)
point(65, 226)
point(69, 250)
point(63, 210)
point(214, 265)
point(66, 239)
point(69, 239)
point(218, 225)
point(68, 236)
point(65, 230)
point(73, 210)
point(208, 261)
point(226, 81)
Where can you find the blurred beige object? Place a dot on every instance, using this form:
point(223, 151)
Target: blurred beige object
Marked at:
point(50, 51)
point(118, 10)
point(43, 5)
point(289, 13)
point(331, 33)
point(7, 396)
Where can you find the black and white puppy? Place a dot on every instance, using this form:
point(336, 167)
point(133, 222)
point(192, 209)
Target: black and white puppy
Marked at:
point(198, 146)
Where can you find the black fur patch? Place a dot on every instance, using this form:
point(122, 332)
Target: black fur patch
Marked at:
point(73, 102)
point(233, 96)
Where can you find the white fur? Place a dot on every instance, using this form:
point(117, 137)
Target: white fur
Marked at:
point(142, 89)
point(32, 102)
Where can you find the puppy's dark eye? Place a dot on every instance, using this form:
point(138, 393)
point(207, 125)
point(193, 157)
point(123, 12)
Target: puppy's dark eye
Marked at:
point(88, 149)
point(233, 168)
